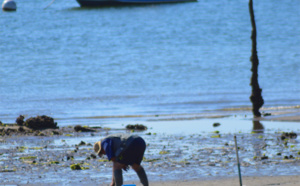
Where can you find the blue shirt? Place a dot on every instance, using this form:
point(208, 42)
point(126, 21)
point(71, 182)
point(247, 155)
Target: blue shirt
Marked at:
point(107, 144)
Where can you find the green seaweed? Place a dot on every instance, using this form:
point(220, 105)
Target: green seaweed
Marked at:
point(8, 170)
point(27, 157)
point(185, 162)
point(54, 162)
point(103, 160)
point(36, 148)
point(164, 152)
point(22, 148)
point(78, 167)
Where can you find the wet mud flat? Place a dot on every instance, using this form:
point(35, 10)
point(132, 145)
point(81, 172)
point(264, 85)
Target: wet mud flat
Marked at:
point(65, 157)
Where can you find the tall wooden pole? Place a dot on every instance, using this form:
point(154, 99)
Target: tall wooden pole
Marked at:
point(238, 161)
point(256, 97)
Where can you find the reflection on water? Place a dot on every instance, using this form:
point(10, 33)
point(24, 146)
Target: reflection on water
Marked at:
point(227, 125)
point(258, 127)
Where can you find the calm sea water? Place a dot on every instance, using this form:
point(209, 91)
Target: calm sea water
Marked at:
point(70, 62)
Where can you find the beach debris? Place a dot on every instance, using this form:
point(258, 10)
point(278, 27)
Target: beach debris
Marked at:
point(216, 124)
point(136, 127)
point(9, 5)
point(288, 135)
point(75, 167)
point(79, 128)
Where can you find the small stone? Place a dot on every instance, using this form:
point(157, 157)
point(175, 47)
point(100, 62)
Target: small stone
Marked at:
point(81, 143)
point(136, 127)
point(93, 156)
point(216, 124)
point(264, 157)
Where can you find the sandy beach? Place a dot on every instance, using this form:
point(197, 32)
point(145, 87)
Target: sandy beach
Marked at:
point(246, 181)
point(196, 154)
point(280, 180)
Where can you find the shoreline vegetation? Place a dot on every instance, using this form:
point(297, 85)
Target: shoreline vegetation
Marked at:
point(57, 154)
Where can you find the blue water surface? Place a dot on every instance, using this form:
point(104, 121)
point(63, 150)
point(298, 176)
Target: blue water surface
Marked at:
point(70, 62)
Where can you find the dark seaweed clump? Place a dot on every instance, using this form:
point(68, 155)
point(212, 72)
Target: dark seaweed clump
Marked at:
point(216, 124)
point(288, 135)
point(36, 123)
point(136, 127)
point(79, 128)
point(20, 120)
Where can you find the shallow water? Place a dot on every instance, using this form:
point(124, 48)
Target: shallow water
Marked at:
point(70, 62)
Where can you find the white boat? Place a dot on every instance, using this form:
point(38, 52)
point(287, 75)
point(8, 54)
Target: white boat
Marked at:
point(92, 3)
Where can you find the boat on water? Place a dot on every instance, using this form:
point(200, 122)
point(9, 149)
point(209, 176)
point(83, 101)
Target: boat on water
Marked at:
point(92, 3)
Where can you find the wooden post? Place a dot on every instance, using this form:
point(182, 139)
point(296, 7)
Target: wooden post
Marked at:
point(256, 97)
point(238, 161)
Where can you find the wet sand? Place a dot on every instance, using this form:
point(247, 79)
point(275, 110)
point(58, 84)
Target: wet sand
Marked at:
point(246, 181)
point(192, 158)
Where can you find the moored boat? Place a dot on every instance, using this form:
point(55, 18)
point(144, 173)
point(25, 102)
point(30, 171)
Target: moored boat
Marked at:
point(91, 3)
